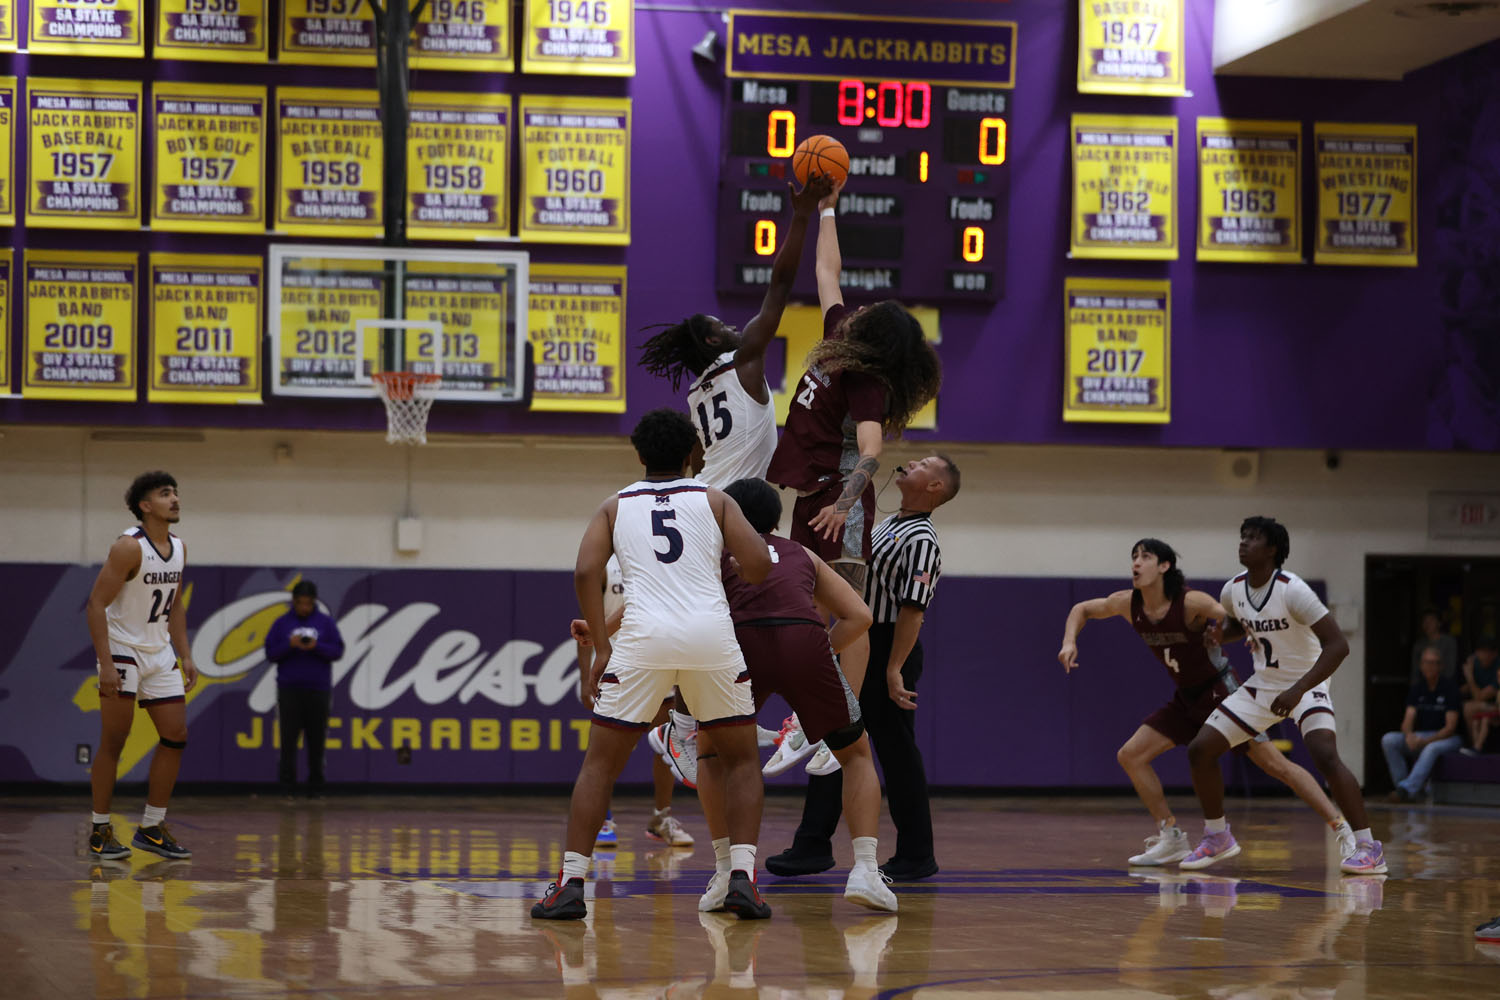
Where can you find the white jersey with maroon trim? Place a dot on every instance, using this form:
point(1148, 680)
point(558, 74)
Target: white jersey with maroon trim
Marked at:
point(1279, 616)
point(738, 434)
point(138, 615)
point(614, 587)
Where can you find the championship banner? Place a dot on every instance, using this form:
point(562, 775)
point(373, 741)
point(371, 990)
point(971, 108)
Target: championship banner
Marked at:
point(84, 142)
point(1249, 190)
point(1117, 351)
point(473, 306)
point(458, 183)
point(787, 45)
point(320, 313)
point(79, 323)
point(211, 30)
point(575, 169)
point(1124, 187)
point(327, 33)
point(86, 28)
point(330, 177)
point(1367, 194)
point(7, 26)
point(208, 175)
point(579, 37)
point(577, 317)
point(6, 259)
point(7, 152)
point(1132, 47)
point(463, 34)
point(205, 329)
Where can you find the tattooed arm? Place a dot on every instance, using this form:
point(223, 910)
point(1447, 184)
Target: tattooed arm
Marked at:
point(830, 520)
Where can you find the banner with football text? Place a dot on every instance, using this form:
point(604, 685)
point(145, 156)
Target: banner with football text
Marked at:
point(208, 175)
point(577, 318)
point(458, 178)
point(578, 37)
point(79, 325)
point(1132, 47)
point(87, 28)
point(205, 328)
point(1124, 187)
point(211, 30)
point(1117, 351)
point(1249, 190)
point(575, 169)
point(1367, 194)
point(84, 145)
point(7, 149)
point(330, 178)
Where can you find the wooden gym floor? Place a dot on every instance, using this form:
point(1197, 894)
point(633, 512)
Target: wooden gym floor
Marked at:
point(428, 897)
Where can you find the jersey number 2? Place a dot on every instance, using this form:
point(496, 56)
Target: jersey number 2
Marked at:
point(1265, 644)
point(159, 607)
point(722, 416)
point(661, 529)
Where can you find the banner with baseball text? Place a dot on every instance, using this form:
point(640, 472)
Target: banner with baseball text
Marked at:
point(1132, 47)
point(79, 325)
point(211, 30)
point(330, 178)
point(84, 145)
point(575, 169)
point(205, 328)
point(208, 175)
point(1249, 190)
point(1367, 194)
point(1117, 351)
point(1124, 187)
point(577, 318)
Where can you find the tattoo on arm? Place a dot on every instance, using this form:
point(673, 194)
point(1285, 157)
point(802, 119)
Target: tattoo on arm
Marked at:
point(858, 480)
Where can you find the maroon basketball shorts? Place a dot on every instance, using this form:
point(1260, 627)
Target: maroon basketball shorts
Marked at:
point(855, 543)
point(796, 662)
point(1180, 719)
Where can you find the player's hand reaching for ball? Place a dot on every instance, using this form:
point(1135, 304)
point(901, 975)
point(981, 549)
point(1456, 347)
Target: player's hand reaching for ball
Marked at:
point(832, 198)
point(810, 198)
point(829, 522)
point(1068, 656)
point(899, 694)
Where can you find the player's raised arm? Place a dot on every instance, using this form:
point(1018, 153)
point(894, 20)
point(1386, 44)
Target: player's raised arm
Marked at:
point(743, 542)
point(1117, 603)
point(120, 565)
point(829, 262)
point(852, 617)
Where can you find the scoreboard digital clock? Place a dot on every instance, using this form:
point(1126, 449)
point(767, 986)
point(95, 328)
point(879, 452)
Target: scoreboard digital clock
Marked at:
point(923, 214)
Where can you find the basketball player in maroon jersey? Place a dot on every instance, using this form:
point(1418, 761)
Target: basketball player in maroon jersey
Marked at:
point(1171, 620)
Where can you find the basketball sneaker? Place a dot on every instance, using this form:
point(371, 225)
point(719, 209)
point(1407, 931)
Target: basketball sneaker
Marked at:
point(823, 761)
point(158, 840)
point(712, 900)
point(1488, 931)
point(1170, 845)
point(562, 902)
point(608, 835)
point(766, 737)
point(1213, 848)
point(1345, 836)
point(792, 747)
point(867, 887)
point(742, 898)
point(665, 828)
point(103, 846)
point(680, 752)
point(1368, 859)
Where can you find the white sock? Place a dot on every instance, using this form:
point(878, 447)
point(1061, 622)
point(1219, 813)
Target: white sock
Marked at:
point(575, 866)
point(97, 818)
point(1364, 836)
point(659, 813)
point(721, 855)
point(153, 816)
point(864, 853)
point(1215, 825)
point(742, 859)
point(1167, 824)
point(684, 722)
point(1337, 823)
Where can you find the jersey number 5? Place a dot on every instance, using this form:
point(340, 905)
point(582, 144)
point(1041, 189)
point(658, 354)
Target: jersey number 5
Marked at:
point(160, 608)
point(661, 529)
point(722, 416)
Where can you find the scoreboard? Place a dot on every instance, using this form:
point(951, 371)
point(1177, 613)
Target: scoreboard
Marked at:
point(923, 106)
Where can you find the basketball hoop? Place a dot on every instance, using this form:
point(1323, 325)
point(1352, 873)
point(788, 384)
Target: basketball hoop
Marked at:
point(408, 398)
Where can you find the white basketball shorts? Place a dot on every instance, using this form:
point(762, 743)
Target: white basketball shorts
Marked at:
point(629, 697)
point(151, 677)
point(1246, 713)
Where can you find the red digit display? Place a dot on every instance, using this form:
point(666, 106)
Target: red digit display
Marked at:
point(851, 102)
point(918, 94)
point(888, 104)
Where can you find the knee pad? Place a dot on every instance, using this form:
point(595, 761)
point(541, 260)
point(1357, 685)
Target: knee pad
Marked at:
point(172, 744)
point(842, 739)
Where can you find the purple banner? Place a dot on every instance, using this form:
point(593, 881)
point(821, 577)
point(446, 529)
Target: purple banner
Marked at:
point(203, 371)
point(67, 368)
point(803, 46)
point(575, 213)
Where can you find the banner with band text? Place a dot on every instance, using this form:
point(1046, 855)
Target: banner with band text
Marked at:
point(1132, 47)
point(1249, 190)
point(575, 169)
point(205, 328)
point(1124, 187)
point(578, 37)
point(79, 325)
point(577, 317)
point(83, 139)
point(1117, 351)
point(211, 30)
point(1367, 194)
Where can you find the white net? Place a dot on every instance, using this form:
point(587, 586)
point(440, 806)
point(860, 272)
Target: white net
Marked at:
point(408, 398)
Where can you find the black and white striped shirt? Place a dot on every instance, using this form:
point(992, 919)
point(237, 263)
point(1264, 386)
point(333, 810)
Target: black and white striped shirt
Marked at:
point(904, 565)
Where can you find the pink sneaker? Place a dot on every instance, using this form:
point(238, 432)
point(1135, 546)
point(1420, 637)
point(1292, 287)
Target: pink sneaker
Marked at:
point(1213, 848)
point(1368, 859)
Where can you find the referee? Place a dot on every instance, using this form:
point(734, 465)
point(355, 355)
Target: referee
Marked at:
point(903, 570)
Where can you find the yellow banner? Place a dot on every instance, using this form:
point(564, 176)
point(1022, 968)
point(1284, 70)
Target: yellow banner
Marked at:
point(86, 28)
point(205, 329)
point(463, 34)
point(1249, 190)
point(7, 26)
point(330, 178)
point(1132, 47)
point(473, 305)
point(211, 30)
point(209, 168)
point(84, 145)
point(575, 169)
point(579, 37)
point(6, 259)
point(8, 151)
point(1367, 194)
point(1124, 186)
point(458, 166)
point(577, 317)
point(327, 32)
point(1117, 351)
point(80, 325)
point(322, 302)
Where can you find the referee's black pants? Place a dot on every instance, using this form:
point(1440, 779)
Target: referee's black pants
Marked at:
point(892, 732)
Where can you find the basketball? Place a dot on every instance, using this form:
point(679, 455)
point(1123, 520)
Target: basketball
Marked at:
point(820, 154)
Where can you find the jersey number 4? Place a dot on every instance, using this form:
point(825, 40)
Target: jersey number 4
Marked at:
point(808, 390)
point(722, 417)
point(161, 606)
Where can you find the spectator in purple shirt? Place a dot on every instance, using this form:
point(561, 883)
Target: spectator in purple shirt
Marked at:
point(303, 643)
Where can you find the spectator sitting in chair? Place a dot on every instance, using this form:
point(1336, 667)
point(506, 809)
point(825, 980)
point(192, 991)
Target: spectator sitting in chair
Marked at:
point(1480, 688)
point(1428, 730)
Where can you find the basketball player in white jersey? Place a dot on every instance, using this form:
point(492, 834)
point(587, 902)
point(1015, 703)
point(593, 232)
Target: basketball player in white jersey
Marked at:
point(1297, 646)
point(669, 532)
point(135, 624)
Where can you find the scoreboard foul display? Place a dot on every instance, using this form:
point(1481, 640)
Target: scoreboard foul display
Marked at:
point(923, 214)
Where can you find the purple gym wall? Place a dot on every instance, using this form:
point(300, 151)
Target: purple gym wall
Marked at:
point(1265, 355)
point(489, 651)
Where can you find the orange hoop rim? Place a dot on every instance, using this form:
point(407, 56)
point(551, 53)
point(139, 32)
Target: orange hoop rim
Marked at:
point(400, 385)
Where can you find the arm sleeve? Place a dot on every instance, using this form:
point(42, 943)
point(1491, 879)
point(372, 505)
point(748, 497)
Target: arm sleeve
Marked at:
point(919, 569)
point(1303, 603)
point(279, 639)
point(330, 642)
point(865, 396)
